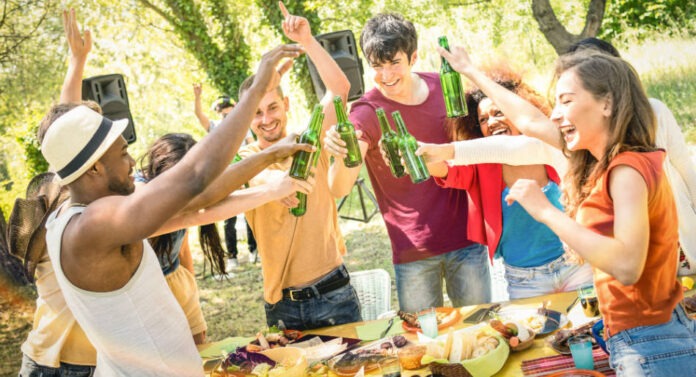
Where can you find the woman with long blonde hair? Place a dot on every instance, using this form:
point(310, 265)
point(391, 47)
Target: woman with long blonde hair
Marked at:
point(622, 215)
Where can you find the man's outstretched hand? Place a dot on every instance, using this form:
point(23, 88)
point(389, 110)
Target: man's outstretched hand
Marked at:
point(269, 72)
point(80, 43)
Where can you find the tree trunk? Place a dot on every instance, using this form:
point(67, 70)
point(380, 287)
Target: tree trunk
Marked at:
point(557, 34)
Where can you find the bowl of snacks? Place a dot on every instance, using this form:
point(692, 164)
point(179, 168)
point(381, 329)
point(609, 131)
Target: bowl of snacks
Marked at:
point(516, 334)
point(480, 351)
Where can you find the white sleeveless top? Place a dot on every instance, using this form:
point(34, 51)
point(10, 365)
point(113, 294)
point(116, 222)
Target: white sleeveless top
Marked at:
point(137, 330)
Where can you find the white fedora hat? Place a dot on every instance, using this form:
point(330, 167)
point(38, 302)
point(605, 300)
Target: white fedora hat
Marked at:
point(77, 140)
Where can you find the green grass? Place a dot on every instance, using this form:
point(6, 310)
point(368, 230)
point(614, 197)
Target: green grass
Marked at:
point(668, 72)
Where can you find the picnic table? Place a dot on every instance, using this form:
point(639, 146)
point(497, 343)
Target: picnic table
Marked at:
point(513, 366)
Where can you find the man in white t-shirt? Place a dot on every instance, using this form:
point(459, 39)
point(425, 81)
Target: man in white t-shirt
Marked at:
point(107, 272)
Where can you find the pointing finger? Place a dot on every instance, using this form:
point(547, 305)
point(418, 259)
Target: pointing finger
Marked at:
point(283, 9)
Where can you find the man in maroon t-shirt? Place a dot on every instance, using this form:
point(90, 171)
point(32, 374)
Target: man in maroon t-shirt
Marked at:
point(427, 224)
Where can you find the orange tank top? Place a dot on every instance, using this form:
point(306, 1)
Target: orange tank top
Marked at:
point(649, 301)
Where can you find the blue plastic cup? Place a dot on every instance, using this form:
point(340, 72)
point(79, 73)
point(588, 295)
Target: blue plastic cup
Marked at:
point(581, 349)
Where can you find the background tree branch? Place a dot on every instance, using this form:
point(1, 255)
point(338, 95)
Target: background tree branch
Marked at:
point(554, 31)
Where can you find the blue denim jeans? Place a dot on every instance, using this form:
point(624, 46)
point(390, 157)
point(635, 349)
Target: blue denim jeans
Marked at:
point(665, 350)
point(329, 309)
point(31, 369)
point(465, 271)
point(559, 275)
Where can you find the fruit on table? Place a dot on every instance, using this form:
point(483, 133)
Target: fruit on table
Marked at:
point(687, 282)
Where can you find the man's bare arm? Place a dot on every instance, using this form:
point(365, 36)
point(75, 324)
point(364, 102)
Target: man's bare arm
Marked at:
point(117, 220)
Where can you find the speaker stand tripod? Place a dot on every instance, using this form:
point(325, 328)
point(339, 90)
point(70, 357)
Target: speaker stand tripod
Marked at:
point(363, 192)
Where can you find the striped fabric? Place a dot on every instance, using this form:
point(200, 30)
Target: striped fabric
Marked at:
point(547, 365)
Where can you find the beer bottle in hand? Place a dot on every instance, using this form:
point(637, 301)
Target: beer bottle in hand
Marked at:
point(301, 196)
point(347, 132)
point(451, 86)
point(407, 146)
point(390, 144)
point(303, 161)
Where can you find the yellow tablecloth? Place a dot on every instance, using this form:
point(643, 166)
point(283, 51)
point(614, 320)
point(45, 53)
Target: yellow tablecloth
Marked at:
point(558, 302)
point(513, 366)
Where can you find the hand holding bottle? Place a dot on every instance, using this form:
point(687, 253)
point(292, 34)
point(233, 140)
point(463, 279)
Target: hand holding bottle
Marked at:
point(287, 147)
point(284, 185)
point(306, 187)
point(458, 59)
point(335, 145)
point(435, 152)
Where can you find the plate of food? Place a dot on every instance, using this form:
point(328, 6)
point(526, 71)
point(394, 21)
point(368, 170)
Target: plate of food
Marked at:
point(559, 340)
point(273, 362)
point(368, 357)
point(446, 317)
point(540, 321)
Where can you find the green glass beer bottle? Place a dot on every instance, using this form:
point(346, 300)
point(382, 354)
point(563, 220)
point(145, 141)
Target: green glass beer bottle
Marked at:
point(347, 131)
point(303, 161)
point(302, 207)
point(390, 144)
point(407, 146)
point(451, 86)
point(302, 197)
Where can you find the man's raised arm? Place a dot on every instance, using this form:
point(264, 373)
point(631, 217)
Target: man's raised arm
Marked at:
point(165, 195)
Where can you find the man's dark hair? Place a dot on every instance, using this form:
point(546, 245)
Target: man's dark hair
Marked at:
point(223, 102)
point(385, 35)
point(595, 43)
point(248, 82)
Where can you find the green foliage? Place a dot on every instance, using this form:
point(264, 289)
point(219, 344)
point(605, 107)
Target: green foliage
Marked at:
point(28, 79)
point(644, 17)
point(220, 49)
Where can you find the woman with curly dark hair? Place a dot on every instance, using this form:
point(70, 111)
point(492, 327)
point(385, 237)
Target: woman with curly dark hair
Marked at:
point(487, 163)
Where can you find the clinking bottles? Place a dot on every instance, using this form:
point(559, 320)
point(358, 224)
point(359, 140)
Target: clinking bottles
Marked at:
point(303, 161)
point(390, 144)
point(347, 132)
point(407, 146)
point(451, 86)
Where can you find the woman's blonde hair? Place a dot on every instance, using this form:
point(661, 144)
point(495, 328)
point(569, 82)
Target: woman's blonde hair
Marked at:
point(632, 123)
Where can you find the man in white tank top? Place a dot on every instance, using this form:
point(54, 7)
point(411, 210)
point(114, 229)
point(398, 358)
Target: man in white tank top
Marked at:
point(106, 270)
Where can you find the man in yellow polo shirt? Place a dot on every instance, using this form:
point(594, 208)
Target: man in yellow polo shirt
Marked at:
point(306, 284)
